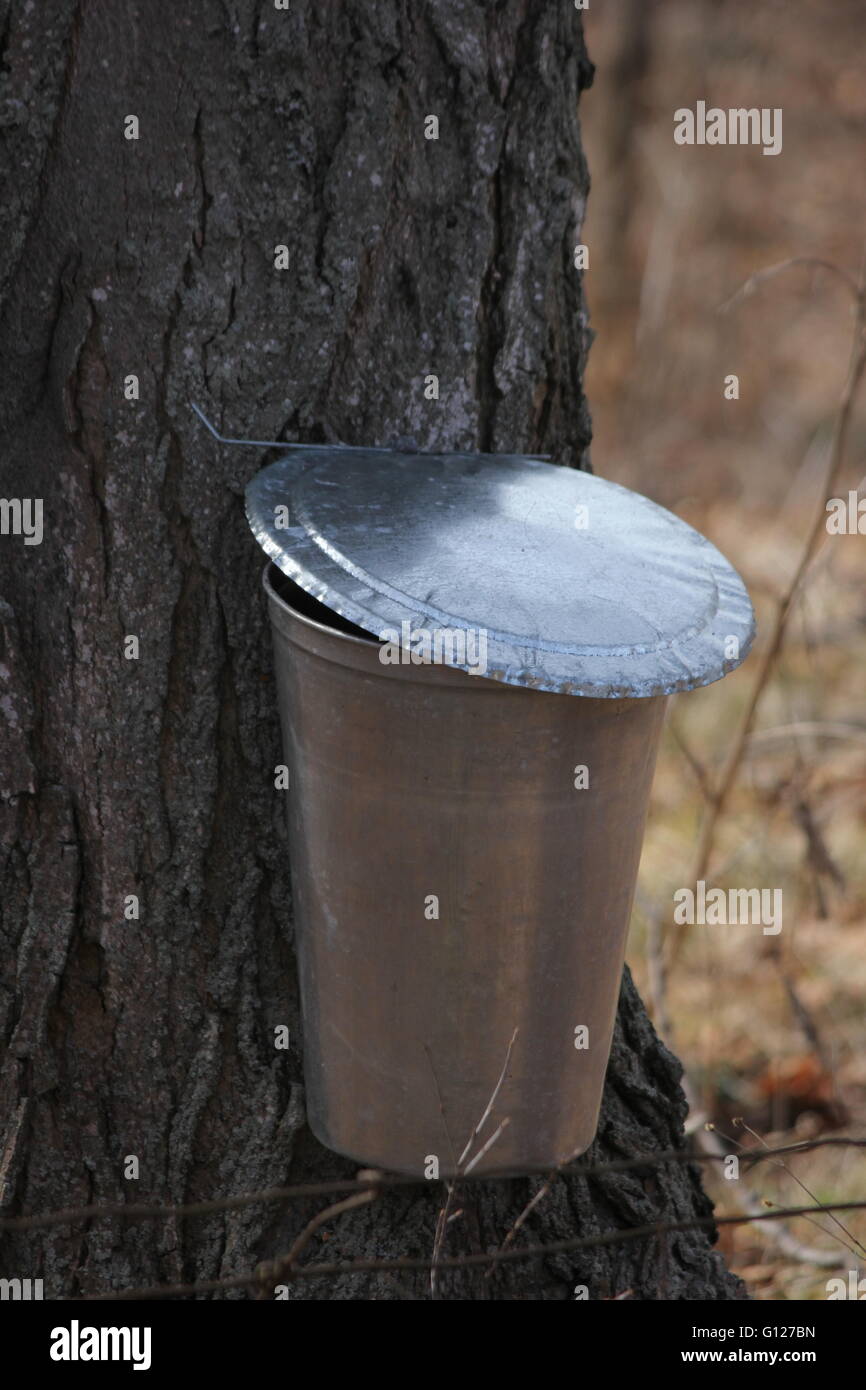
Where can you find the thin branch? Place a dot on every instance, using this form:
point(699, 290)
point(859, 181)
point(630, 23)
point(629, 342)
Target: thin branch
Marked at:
point(441, 1105)
point(751, 1203)
point(492, 1101)
point(71, 1216)
point(651, 1231)
point(489, 1145)
point(818, 728)
point(530, 1207)
point(269, 1275)
point(731, 766)
point(769, 272)
point(778, 1163)
point(444, 1214)
point(699, 771)
point(807, 1024)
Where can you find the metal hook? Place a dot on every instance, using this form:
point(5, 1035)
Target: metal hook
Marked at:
point(278, 443)
point(319, 448)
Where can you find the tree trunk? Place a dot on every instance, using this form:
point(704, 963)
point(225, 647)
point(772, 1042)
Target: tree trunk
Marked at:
point(152, 777)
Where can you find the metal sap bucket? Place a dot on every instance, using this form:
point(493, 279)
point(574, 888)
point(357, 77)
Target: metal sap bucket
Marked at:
point(409, 782)
point(465, 846)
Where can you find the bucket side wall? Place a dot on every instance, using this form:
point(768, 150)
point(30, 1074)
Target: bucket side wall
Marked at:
point(452, 885)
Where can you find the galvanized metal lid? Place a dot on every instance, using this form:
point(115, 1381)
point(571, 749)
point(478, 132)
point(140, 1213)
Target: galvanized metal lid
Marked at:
point(577, 585)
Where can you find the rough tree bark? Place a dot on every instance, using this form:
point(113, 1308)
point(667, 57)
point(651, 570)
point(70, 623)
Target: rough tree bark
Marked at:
point(154, 777)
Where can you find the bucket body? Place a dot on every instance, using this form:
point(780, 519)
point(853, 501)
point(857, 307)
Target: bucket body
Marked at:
point(461, 899)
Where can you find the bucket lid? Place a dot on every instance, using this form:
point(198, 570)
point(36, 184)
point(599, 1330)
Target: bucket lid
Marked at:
point(579, 586)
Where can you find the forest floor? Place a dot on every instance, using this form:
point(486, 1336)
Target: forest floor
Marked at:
point(770, 1027)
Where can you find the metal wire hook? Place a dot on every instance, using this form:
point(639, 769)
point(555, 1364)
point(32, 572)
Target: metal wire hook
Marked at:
point(321, 448)
point(281, 443)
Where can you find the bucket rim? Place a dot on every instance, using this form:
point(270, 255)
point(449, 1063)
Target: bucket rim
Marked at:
point(361, 654)
point(683, 617)
point(367, 643)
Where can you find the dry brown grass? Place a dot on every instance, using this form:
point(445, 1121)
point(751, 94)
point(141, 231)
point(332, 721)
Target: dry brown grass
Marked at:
point(672, 233)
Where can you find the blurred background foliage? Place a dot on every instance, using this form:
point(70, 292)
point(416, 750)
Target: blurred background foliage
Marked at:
point(769, 1028)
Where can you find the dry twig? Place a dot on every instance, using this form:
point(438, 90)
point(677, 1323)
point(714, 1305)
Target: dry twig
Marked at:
point(651, 1231)
point(274, 1272)
point(463, 1167)
point(141, 1211)
point(725, 782)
